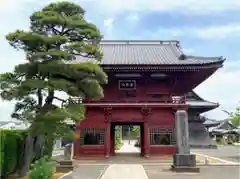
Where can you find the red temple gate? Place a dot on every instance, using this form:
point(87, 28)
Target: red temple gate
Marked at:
point(146, 92)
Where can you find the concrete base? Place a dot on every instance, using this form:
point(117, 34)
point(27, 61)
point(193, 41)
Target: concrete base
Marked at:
point(185, 163)
point(185, 169)
point(184, 160)
point(64, 166)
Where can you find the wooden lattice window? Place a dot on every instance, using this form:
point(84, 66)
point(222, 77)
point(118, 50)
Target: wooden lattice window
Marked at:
point(92, 136)
point(161, 136)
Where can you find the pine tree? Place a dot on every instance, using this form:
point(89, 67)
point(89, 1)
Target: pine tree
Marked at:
point(58, 34)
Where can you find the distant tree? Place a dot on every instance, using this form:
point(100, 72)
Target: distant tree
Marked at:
point(234, 116)
point(58, 33)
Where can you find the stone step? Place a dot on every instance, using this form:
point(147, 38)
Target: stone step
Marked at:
point(64, 168)
point(66, 162)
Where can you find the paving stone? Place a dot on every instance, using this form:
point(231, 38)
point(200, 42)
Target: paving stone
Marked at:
point(219, 172)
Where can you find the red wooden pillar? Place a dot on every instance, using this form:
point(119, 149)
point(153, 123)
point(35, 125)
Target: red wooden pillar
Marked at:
point(142, 140)
point(146, 139)
point(108, 140)
point(107, 113)
point(145, 112)
point(112, 147)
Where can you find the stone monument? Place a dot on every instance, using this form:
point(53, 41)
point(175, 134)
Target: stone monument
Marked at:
point(68, 152)
point(183, 160)
point(66, 164)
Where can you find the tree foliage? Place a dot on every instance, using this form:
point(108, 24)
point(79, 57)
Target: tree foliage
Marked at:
point(234, 116)
point(58, 37)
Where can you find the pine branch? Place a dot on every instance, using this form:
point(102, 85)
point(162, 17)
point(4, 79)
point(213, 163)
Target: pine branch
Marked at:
point(60, 99)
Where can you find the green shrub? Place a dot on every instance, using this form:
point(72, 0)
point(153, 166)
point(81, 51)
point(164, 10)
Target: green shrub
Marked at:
point(2, 140)
point(118, 143)
point(41, 169)
point(135, 131)
point(11, 150)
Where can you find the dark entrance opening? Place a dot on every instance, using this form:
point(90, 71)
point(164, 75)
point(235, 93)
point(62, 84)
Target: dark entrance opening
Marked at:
point(127, 138)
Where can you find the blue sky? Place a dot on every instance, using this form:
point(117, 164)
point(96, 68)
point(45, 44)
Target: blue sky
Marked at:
point(206, 28)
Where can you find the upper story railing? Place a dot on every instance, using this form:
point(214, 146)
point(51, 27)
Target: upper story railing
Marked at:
point(172, 100)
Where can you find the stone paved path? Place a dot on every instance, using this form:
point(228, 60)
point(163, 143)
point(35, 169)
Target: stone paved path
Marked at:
point(87, 172)
point(138, 171)
point(128, 148)
point(120, 171)
point(208, 172)
point(228, 152)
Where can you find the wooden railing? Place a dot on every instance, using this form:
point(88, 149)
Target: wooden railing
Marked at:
point(173, 99)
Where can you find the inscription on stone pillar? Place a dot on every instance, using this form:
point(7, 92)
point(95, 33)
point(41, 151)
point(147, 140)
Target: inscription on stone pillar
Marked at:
point(182, 133)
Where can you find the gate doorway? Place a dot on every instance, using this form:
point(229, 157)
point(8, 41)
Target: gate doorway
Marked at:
point(127, 138)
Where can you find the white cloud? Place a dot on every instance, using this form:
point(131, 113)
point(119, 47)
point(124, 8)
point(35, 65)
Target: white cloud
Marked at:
point(115, 6)
point(186, 6)
point(6, 109)
point(188, 50)
point(218, 31)
point(14, 6)
point(209, 32)
point(108, 28)
point(133, 17)
point(222, 87)
point(108, 24)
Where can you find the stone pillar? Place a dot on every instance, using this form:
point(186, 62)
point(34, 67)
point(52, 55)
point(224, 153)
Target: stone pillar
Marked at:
point(108, 112)
point(183, 159)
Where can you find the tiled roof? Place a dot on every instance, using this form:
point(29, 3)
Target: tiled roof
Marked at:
point(146, 53)
point(194, 100)
point(202, 104)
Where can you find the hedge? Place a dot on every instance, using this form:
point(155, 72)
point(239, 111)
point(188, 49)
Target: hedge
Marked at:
point(11, 150)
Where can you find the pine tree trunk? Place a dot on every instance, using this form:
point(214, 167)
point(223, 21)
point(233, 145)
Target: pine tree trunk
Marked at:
point(48, 145)
point(38, 147)
point(28, 156)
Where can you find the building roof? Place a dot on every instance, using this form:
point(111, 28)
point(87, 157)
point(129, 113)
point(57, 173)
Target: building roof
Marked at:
point(194, 100)
point(133, 52)
point(206, 104)
point(224, 127)
point(13, 125)
point(210, 122)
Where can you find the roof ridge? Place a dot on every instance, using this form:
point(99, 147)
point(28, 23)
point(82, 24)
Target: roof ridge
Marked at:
point(202, 99)
point(144, 42)
point(205, 57)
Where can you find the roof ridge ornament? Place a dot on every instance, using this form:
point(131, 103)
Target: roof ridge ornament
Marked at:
point(182, 57)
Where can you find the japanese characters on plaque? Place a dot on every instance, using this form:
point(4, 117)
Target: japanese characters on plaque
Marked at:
point(127, 84)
